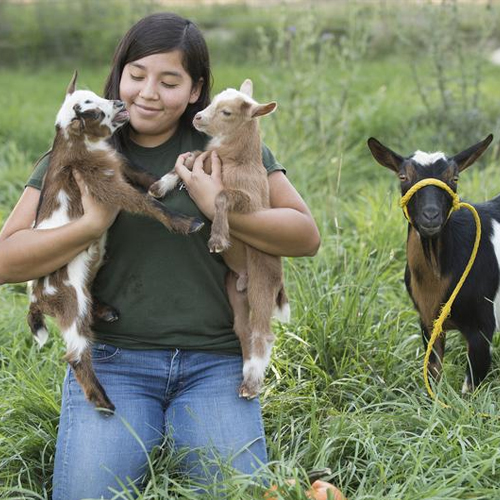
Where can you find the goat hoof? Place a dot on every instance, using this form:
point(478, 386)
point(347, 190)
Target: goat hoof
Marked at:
point(248, 391)
point(218, 245)
point(196, 225)
point(109, 315)
point(156, 190)
point(106, 409)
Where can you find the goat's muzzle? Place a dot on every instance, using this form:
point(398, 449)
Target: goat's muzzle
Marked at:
point(122, 116)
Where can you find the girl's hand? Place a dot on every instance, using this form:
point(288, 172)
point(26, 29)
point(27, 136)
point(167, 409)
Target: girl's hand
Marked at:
point(97, 217)
point(202, 187)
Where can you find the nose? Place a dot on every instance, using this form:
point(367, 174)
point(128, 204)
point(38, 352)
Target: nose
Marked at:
point(148, 90)
point(430, 214)
point(197, 116)
point(118, 104)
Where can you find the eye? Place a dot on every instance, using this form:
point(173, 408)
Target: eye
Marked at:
point(87, 102)
point(226, 113)
point(169, 85)
point(136, 78)
point(455, 179)
point(402, 177)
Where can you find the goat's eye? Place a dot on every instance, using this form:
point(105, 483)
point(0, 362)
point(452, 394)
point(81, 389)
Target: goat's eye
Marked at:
point(87, 102)
point(226, 113)
point(455, 179)
point(402, 177)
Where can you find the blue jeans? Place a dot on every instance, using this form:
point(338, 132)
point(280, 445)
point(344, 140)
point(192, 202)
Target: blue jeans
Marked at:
point(190, 396)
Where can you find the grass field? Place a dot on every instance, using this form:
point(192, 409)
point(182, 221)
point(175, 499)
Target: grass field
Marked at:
point(345, 389)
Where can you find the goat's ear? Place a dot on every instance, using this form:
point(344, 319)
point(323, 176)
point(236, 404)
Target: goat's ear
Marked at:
point(247, 87)
point(264, 109)
point(384, 155)
point(72, 84)
point(467, 157)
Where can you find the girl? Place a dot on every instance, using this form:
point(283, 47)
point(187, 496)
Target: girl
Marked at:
point(171, 364)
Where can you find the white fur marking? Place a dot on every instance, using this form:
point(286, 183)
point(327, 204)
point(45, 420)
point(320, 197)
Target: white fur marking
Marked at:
point(465, 387)
point(167, 183)
point(78, 270)
point(66, 114)
point(41, 336)
point(75, 342)
point(282, 314)
point(427, 158)
point(48, 289)
point(29, 289)
point(495, 241)
point(216, 142)
point(255, 368)
point(60, 216)
point(101, 145)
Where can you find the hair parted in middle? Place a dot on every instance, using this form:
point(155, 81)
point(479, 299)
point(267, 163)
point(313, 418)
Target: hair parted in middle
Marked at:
point(154, 34)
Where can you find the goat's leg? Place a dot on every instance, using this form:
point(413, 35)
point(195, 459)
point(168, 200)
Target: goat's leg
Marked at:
point(264, 282)
point(227, 200)
point(138, 176)
point(37, 325)
point(92, 388)
point(168, 182)
point(131, 200)
point(78, 340)
point(479, 357)
point(241, 313)
point(103, 312)
point(437, 354)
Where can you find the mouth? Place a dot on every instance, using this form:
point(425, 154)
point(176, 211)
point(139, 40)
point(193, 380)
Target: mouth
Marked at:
point(146, 109)
point(199, 126)
point(429, 231)
point(121, 117)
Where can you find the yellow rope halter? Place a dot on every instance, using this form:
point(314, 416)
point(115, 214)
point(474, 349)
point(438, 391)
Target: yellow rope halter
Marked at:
point(446, 309)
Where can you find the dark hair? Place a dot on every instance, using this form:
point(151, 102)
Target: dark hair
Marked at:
point(153, 34)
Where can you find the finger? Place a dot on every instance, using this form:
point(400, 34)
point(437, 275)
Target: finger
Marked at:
point(182, 171)
point(198, 163)
point(80, 182)
point(216, 165)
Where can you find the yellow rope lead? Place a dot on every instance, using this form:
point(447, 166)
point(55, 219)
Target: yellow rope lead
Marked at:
point(446, 309)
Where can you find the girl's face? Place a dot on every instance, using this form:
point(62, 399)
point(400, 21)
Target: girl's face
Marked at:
point(157, 90)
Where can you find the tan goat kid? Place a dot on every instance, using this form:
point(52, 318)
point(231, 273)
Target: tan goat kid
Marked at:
point(256, 292)
point(83, 125)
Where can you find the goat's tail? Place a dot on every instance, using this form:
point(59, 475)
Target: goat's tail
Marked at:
point(282, 309)
point(37, 325)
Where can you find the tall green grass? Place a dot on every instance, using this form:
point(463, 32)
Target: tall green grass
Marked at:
point(344, 390)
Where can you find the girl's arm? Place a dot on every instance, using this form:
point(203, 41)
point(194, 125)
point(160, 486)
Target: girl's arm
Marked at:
point(27, 253)
point(286, 229)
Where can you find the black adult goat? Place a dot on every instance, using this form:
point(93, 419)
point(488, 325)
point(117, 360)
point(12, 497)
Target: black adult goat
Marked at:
point(438, 249)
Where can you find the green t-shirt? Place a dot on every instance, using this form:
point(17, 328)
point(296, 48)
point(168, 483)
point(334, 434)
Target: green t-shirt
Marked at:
point(168, 288)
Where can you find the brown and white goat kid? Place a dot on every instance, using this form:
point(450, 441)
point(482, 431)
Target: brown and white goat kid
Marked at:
point(83, 125)
point(257, 291)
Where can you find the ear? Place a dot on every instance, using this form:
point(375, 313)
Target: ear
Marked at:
point(247, 87)
point(72, 84)
point(264, 109)
point(384, 155)
point(196, 91)
point(467, 157)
